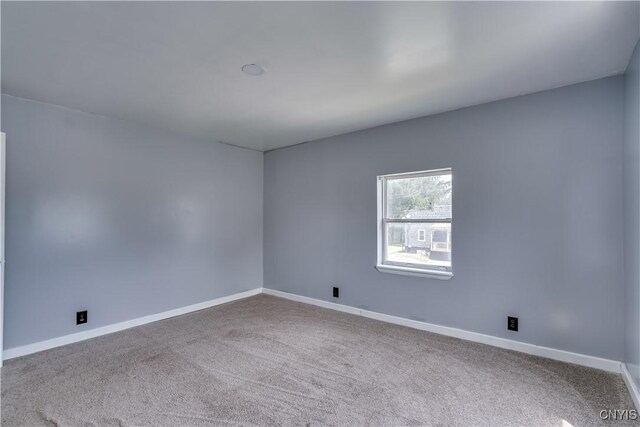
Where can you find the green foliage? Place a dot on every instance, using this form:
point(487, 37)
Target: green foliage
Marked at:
point(423, 193)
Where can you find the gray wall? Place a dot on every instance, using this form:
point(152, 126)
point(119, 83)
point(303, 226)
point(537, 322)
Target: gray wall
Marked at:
point(632, 216)
point(119, 219)
point(537, 210)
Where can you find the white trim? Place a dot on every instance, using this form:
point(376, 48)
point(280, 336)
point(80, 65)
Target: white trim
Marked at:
point(3, 161)
point(312, 301)
point(408, 271)
point(417, 174)
point(11, 353)
point(536, 350)
point(631, 385)
point(551, 353)
point(381, 239)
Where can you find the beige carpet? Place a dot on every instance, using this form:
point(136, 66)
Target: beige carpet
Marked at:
point(270, 361)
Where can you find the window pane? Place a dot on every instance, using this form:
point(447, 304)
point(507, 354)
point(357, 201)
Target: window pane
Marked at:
point(405, 246)
point(425, 197)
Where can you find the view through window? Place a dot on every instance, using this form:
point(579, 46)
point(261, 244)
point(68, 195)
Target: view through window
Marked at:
point(416, 220)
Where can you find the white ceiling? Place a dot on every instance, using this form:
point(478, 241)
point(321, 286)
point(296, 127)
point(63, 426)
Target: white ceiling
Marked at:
point(331, 68)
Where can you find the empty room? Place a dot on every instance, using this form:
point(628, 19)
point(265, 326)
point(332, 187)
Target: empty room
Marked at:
point(320, 213)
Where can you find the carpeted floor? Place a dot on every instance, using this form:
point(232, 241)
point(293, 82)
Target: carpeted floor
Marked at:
point(269, 361)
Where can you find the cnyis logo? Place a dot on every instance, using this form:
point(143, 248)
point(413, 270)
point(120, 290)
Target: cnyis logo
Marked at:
point(619, 414)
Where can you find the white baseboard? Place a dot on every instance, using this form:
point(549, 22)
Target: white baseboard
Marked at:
point(11, 353)
point(312, 301)
point(551, 353)
point(536, 350)
point(631, 385)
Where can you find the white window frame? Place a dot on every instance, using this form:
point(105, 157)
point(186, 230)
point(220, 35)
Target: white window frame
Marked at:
point(442, 273)
point(422, 235)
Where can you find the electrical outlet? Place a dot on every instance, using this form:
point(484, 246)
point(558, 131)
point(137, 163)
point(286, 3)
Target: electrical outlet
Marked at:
point(336, 292)
point(512, 323)
point(81, 317)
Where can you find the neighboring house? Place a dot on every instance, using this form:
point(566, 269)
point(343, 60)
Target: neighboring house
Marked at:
point(429, 239)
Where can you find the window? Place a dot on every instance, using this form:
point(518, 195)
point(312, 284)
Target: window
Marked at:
point(414, 223)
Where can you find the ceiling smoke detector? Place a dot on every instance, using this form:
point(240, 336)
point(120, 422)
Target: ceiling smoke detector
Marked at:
point(252, 70)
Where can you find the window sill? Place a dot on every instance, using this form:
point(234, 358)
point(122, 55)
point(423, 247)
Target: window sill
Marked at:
point(408, 271)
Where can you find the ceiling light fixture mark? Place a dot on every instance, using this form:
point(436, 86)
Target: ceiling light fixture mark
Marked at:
point(253, 70)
